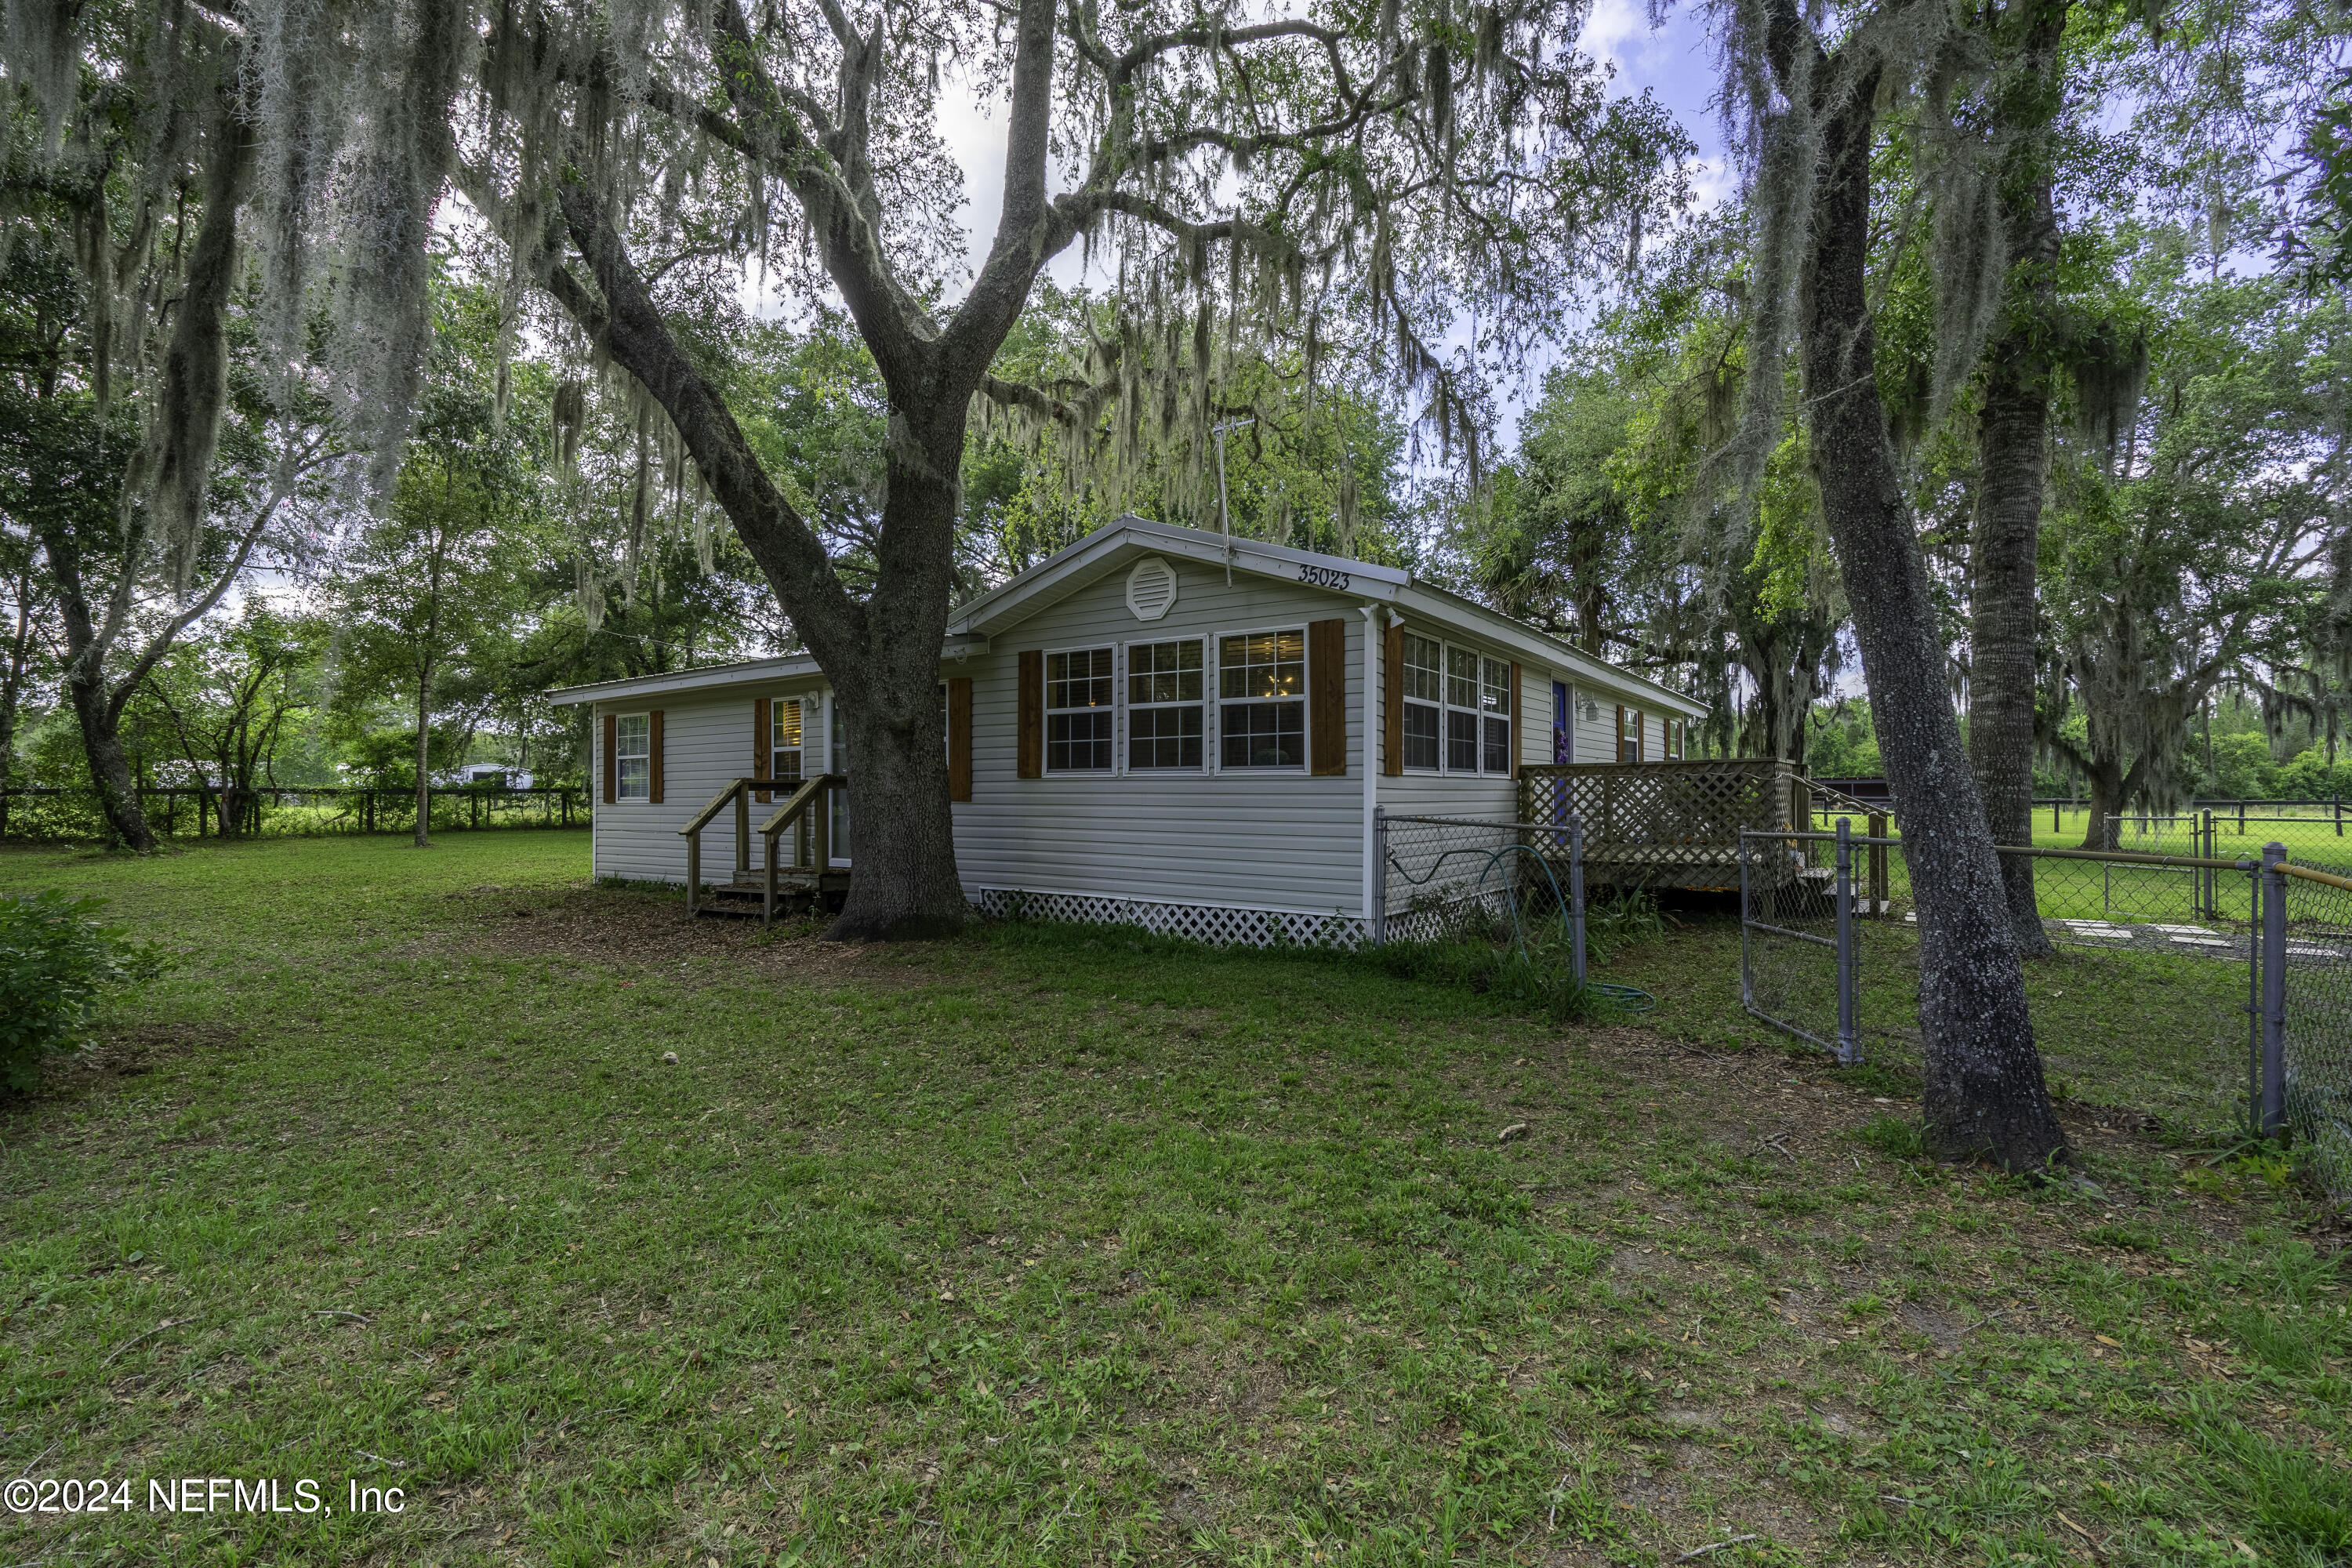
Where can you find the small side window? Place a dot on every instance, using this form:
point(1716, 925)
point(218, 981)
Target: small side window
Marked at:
point(633, 753)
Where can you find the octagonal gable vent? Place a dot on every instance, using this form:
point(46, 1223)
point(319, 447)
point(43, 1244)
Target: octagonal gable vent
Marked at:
point(1150, 588)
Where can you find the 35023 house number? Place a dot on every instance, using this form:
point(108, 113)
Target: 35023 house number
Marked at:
point(1323, 577)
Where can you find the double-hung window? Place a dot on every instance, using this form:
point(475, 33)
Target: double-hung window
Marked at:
point(1629, 734)
point(633, 756)
point(1675, 738)
point(1495, 717)
point(1080, 721)
point(1262, 699)
point(1464, 706)
point(1457, 710)
point(1165, 703)
point(784, 737)
point(1424, 700)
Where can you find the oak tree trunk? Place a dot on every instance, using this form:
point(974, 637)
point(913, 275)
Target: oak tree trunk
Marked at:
point(2013, 449)
point(2013, 438)
point(2111, 788)
point(1985, 1093)
point(109, 770)
point(904, 883)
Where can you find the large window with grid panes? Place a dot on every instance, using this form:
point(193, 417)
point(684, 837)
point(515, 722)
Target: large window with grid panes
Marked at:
point(1457, 710)
point(1262, 699)
point(1081, 725)
point(1167, 705)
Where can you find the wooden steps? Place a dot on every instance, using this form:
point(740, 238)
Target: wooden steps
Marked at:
point(796, 886)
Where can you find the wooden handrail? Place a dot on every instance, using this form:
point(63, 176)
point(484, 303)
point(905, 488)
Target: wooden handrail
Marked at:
point(718, 803)
point(798, 802)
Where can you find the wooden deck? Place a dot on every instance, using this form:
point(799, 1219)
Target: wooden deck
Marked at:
point(1668, 825)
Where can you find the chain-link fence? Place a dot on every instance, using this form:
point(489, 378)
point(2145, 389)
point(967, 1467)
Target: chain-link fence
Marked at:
point(187, 811)
point(2314, 1015)
point(2214, 990)
point(1441, 876)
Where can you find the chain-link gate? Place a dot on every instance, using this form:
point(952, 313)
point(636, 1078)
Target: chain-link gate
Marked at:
point(2236, 974)
point(1797, 963)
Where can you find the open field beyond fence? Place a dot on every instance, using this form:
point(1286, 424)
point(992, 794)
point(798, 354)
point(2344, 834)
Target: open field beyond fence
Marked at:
point(187, 811)
point(1058, 1246)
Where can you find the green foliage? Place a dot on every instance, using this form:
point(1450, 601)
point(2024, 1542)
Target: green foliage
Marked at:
point(1895, 1137)
point(56, 958)
point(1842, 741)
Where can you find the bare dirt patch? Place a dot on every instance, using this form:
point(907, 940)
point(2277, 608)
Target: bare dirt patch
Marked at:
point(607, 925)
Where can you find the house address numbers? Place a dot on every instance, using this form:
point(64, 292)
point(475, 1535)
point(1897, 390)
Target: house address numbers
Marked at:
point(1323, 577)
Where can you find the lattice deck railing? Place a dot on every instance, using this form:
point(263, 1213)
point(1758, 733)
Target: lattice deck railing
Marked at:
point(1666, 825)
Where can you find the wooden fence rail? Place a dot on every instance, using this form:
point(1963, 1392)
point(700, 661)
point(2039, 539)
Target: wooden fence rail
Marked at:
point(363, 808)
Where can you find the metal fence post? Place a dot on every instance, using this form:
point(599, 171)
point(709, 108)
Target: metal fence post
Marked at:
point(2272, 1120)
point(1881, 895)
point(1576, 897)
point(1379, 931)
point(1747, 969)
point(1849, 1049)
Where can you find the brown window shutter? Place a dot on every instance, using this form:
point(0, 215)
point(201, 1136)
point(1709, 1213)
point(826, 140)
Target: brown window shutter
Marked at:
point(1393, 702)
point(612, 763)
point(960, 738)
point(1621, 734)
point(762, 756)
point(1518, 702)
point(654, 788)
point(1033, 714)
point(1327, 699)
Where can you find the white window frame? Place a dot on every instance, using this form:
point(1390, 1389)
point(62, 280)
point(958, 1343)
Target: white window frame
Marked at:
point(1214, 662)
point(1494, 676)
point(1674, 740)
point(1411, 703)
point(1108, 709)
point(622, 757)
point(1129, 706)
point(776, 706)
point(1482, 715)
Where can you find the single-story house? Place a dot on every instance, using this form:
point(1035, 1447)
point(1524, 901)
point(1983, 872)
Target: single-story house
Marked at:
point(1157, 725)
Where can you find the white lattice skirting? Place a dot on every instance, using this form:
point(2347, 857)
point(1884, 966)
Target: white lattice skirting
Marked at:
point(1436, 919)
point(1218, 926)
point(1431, 920)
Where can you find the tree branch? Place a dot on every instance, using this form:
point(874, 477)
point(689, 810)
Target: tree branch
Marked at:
point(627, 324)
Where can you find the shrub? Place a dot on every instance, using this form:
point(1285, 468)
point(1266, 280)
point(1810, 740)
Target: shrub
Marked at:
point(56, 957)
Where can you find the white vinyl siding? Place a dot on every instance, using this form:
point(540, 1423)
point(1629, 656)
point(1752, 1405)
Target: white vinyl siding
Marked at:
point(707, 739)
point(1267, 838)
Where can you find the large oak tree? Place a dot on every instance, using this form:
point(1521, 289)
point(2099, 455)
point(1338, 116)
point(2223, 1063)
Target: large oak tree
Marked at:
point(1280, 185)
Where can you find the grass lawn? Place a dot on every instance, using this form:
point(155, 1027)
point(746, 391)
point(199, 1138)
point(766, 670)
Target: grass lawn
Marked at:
point(1054, 1247)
